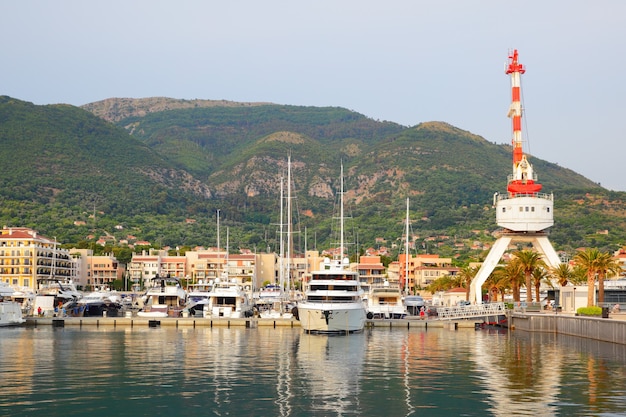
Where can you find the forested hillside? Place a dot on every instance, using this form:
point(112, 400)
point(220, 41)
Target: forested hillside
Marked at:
point(166, 166)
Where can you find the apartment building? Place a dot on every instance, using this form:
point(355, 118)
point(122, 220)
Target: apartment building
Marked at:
point(95, 272)
point(27, 258)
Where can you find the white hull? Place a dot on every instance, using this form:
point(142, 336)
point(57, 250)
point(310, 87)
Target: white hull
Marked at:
point(151, 314)
point(331, 317)
point(10, 314)
point(388, 311)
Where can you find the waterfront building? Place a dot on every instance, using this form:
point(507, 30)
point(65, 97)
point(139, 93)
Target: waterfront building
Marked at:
point(26, 257)
point(372, 273)
point(95, 272)
point(422, 270)
point(143, 267)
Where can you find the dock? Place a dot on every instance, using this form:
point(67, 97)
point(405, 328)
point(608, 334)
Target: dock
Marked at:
point(253, 322)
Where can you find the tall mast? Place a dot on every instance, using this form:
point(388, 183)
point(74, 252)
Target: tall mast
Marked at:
point(341, 218)
point(289, 231)
point(281, 267)
point(406, 250)
point(523, 179)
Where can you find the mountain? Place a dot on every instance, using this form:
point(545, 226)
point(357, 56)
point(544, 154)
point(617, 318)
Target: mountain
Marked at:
point(159, 168)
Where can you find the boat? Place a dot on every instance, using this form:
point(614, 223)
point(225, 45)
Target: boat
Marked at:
point(104, 303)
point(55, 297)
point(197, 297)
point(333, 297)
point(414, 304)
point(10, 311)
point(272, 304)
point(228, 299)
point(385, 302)
point(165, 298)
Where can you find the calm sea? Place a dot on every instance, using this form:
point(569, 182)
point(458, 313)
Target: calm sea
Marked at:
point(90, 372)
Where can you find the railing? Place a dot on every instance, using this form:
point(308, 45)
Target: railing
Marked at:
point(479, 310)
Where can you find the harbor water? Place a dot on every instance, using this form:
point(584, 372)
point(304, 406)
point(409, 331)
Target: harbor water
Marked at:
point(87, 371)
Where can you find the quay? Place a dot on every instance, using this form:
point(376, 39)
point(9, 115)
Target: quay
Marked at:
point(408, 323)
point(612, 329)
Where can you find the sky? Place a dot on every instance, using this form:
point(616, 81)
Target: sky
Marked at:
point(405, 61)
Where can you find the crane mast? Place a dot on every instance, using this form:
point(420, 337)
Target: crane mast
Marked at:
point(523, 179)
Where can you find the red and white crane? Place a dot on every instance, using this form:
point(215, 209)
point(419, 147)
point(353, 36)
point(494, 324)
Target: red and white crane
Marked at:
point(523, 212)
point(523, 180)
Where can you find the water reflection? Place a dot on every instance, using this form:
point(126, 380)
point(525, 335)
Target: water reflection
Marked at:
point(331, 368)
point(284, 372)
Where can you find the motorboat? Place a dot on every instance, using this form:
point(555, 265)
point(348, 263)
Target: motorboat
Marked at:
point(272, 303)
point(165, 298)
point(228, 299)
point(54, 297)
point(10, 311)
point(414, 304)
point(333, 297)
point(104, 303)
point(197, 297)
point(385, 302)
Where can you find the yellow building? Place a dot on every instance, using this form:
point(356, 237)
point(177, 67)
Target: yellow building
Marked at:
point(26, 258)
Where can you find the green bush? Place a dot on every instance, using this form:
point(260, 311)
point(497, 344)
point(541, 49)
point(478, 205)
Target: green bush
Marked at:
point(589, 311)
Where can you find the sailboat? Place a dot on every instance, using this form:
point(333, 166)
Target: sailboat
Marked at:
point(227, 298)
point(386, 302)
point(333, 300)
point(274, 300)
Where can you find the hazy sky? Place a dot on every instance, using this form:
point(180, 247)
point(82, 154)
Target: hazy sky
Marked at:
point(406, 61)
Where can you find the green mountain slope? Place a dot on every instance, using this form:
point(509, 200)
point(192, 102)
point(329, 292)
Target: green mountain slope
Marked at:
point(165, 161)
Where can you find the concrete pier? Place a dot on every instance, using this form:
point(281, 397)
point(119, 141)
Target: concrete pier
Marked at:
point(232, 322)
point(611, 329)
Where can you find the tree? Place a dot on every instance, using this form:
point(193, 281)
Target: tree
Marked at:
point(512, 273)
point(605, 264)
point(466, 275)
point(529, 261)
point(562, 273)
point(587, 261)
point(539, 274)
point(497, 283)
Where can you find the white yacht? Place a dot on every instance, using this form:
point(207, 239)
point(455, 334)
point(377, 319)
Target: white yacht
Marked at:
point(166, 298)
point(54, 296)
point(198, 295)
point(272, 303)
point(333, 297)
point(10, 311)
point(228, 299)
point(102, 303)
point(385, 302)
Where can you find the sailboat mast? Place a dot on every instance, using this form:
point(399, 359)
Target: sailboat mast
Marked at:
point(289, 230)
point(281, 269)
point(406, 250)
point(341, 218)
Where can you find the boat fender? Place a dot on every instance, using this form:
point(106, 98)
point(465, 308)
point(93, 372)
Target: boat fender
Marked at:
point(294, 311)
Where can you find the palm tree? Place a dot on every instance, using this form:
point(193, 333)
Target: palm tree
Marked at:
point(538, 275)
point(529, 261)
point(587, 261)
point(579, 275)
point(467, 274)
point(605, 264)
point(497, 283)
point(563, 273)
point(512, 273)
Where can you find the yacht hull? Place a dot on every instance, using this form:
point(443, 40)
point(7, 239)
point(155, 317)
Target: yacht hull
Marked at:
point(331, 318)
point(10, 314)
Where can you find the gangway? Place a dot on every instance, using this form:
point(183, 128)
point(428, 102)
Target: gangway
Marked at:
point(471, 311)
